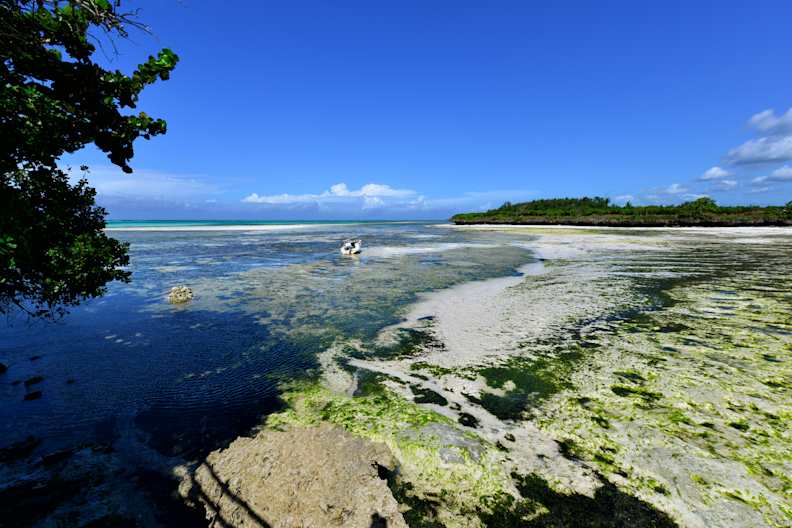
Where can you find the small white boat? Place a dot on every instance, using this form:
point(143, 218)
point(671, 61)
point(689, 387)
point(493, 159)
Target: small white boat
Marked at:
point(351, 247)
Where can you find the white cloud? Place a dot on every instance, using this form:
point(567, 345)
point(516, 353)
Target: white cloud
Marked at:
point(725, 185)
point(111, 182)
point(369, 196)
point(767, 121)
point(762, 150)
point(624, 198)
point(373, 190)
point(674, 193)
point(781, 175)
point(159, 194)
point(673, 189)
point(714, 173)
point(376, 198)
point(479, 201)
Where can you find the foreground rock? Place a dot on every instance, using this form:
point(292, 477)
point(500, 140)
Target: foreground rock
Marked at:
point(180, 294)
point(303, 476)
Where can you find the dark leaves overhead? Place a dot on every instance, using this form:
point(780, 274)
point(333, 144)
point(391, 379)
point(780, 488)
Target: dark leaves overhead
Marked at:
point(56, 99)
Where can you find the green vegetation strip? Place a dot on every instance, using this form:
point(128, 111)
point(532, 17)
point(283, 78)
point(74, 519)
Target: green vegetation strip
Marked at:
point(601, 212)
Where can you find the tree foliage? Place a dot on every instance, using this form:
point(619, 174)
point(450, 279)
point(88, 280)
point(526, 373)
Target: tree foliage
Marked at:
point(600, 211)
point(56, 99)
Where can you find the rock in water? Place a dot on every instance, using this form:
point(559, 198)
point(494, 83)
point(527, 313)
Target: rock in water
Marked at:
point(180, 294)
point(304, 476)
point(34, 380)
point(19, 450)
point(3, 368)
point(35, 395)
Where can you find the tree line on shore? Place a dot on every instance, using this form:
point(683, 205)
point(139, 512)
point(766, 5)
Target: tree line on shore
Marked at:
point(601, 211)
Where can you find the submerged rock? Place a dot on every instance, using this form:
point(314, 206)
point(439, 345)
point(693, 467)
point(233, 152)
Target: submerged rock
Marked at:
point(3, 368)
point(18, 450)
point(33, 381)
point(86, 486)
point(180, 294)
point(302, 476)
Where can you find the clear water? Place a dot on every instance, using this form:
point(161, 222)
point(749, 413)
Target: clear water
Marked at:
point(186, 379)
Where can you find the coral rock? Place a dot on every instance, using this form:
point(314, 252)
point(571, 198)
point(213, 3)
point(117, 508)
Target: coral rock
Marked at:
point(180, 294)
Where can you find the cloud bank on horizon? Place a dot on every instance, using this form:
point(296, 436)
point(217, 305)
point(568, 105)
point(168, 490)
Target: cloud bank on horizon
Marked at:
point(369, 196)
point(156, 194)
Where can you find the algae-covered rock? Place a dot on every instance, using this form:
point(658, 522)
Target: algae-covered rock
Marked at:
point(180, 294)
point(301, 476)
point(446, 475)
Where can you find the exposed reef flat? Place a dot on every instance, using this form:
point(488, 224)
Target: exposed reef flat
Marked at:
point(635, 378)
point(298, 476)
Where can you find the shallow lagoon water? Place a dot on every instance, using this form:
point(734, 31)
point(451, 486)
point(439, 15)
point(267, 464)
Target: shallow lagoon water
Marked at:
point(186, 379)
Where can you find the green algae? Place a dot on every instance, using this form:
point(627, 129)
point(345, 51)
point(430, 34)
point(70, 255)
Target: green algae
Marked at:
point(445, 475)
point(424, 395)
point(631, 375)
point(468, 420)
point(473, 490)
point(543, 507)
point(698, 479)
point(408, 342)
point(678, 417)
point(740, 425)
point(724, 390)
point(371, 383)
point(639, 392)
point(509, 407)
point(435, 370)
point(524, 382)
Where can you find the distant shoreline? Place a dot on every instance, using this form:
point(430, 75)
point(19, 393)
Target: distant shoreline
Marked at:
point(596, 223)
point(600, 212)
point(560, 227)
point(239, 225)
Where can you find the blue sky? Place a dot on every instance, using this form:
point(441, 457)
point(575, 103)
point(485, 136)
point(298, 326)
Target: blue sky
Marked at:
point(305, 110)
